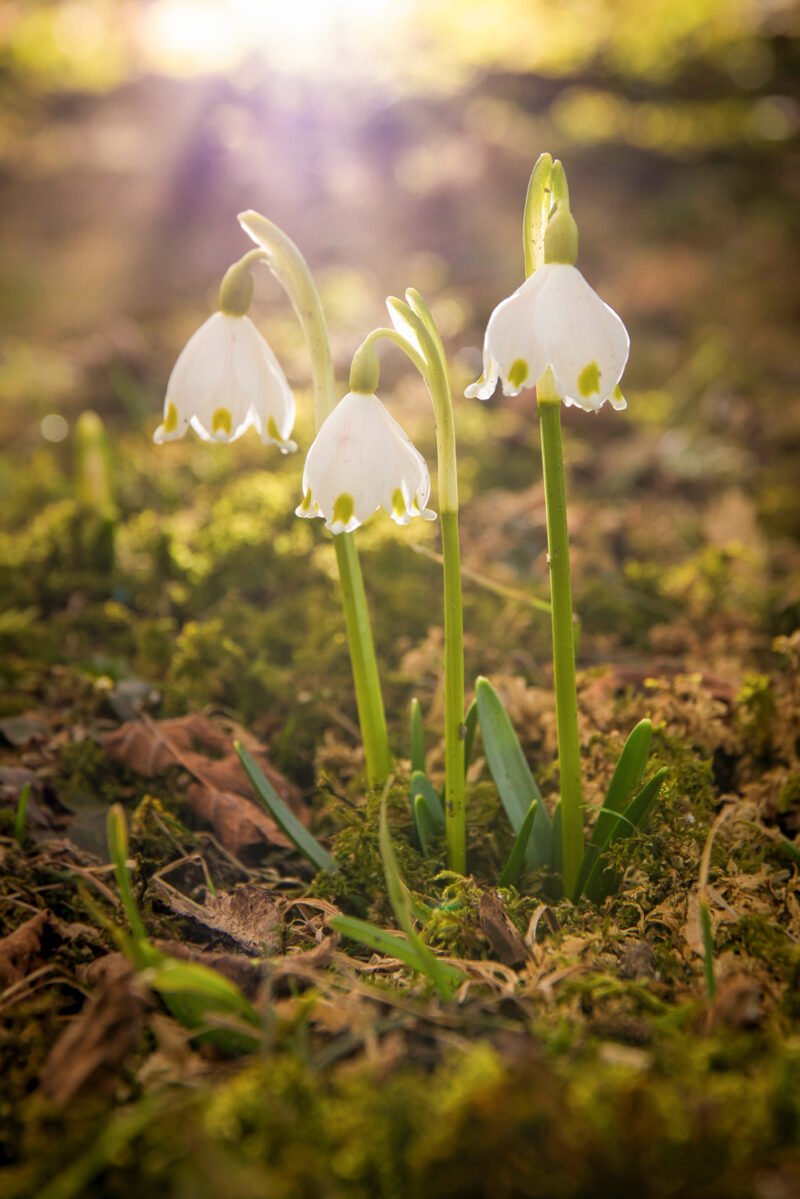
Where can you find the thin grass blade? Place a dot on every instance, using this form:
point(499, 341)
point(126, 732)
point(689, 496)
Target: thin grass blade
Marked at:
point(297, 833)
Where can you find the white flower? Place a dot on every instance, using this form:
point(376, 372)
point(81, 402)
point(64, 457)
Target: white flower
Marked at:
point(225, 380)
point(359, 461)
point(556, 320)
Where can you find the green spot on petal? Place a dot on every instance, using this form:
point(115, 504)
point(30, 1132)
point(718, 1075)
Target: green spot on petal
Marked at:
point(273, 431)
point(398, 502)
point(305, 505)
point(343, 509)
point(171, 418)
point(589, 380)
point(221, 421)
point(618, 393)
point(518, 372)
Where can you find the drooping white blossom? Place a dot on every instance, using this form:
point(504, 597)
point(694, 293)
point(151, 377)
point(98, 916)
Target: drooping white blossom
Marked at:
point(361, 460)
point(556, 320)
point(225, 380)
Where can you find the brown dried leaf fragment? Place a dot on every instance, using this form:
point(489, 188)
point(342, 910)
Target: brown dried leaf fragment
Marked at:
point(248, 915)
point(505, 942)
point(221, 794)
point(91, 1051)
point(21, 950)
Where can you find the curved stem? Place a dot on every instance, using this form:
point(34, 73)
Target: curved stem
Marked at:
point(549, 403)
point(291, 270)
point(431, 366)
point(369, 700)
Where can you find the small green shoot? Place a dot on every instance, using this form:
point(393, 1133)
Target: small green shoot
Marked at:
point(416, 733)
point(627, 778)
point(603, 882)
point(515, 783)
point(410, 949)
point(297, 833)
point(21, 816)
point(708, 949)
point(470, 725)
point(511, 871)
point(196, 996)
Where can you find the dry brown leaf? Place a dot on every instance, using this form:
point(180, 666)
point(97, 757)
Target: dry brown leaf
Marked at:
point(221, 795)
point(248, 915)
point(21, 950)
point(237, 823)
point(504, 940)
point(92, 1049)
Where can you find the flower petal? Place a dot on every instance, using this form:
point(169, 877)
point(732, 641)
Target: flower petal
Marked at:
point(225, 380)
point(584, 341)
point(511, 348)
point(360, 460)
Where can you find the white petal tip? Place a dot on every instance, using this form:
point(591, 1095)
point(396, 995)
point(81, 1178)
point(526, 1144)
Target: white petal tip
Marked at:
point(481, 389)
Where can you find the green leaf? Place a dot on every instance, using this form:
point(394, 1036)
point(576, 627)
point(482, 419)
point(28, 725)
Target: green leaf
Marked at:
point(117, 836)
point(426, 828)
point(708, 949)
point(511, 871)
point(515, 783)
point(400, 900)
point(422, 785)
point(417, 736)
point(308, 845)
point(470, 725)
point(602, 881)
point(393, 945)
point(191, 991)
point(626, 779)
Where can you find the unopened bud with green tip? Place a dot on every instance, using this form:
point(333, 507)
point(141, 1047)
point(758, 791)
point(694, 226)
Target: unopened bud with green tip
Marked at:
point(365, 370)
point(236, 289)
point(561, 236)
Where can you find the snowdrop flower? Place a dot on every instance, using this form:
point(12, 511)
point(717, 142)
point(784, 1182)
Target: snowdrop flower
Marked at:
point(362, 460)
point(556, 320)
point(227, 377)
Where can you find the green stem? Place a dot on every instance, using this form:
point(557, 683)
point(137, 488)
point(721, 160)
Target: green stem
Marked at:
point(432, 366)
point(291, 270)
point(455, 790)
point(362, 659)
point(563, 643)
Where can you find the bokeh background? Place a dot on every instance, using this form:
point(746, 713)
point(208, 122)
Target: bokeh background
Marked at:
point(393, 140)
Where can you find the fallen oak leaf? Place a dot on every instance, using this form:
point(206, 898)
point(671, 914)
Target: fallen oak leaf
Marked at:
point(221, 795)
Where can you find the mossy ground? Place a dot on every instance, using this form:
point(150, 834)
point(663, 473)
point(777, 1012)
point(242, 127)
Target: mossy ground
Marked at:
point(595, 1061)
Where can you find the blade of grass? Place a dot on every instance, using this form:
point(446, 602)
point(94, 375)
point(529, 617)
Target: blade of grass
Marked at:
point(515, 783)
point(297, 833)
point(392, 945)
point(402, 908)
point(602, 881)
point(511, 871)
point(627, 777)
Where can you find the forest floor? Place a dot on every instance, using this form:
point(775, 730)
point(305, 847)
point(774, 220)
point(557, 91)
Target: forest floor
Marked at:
point(591, 1049)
